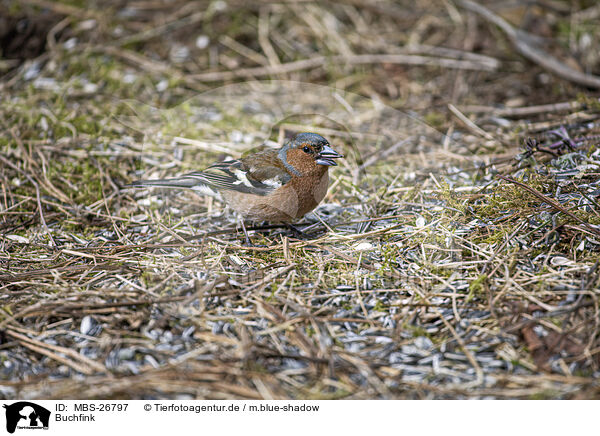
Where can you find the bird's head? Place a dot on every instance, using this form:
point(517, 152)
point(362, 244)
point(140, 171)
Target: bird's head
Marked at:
point(308, 153)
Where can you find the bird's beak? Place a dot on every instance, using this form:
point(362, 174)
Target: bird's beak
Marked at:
point(327, 155)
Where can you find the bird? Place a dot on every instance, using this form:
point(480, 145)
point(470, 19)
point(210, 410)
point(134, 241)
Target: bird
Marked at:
point(275, 185)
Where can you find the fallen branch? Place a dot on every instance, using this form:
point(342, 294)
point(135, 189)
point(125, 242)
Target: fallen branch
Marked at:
point(77, 361)
point(519, 39)
point(320, 61)
point(551, 203)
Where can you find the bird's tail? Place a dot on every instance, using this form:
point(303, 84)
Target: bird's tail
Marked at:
point(195, 182)
point(177, 182)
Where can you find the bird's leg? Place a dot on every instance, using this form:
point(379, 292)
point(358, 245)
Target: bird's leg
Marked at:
point(248, 242)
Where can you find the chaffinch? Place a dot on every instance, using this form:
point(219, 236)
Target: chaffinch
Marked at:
point(272, 185)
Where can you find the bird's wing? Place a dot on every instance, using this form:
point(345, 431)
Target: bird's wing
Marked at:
point(258, 174)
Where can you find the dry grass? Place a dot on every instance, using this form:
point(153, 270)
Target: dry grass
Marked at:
point(440, 265)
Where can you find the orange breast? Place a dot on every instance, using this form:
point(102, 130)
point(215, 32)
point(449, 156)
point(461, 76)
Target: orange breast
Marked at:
point(291, 201)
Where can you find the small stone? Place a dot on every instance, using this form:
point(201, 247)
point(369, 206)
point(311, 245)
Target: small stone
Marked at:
point(70, 44)
point(162, 85)
point(202, 42)
point(364, 246)
point(18, 238)
point(560, 261)
point(87, 324)
point(236, 136)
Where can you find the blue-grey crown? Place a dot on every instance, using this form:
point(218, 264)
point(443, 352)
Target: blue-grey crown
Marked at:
point(311, 138)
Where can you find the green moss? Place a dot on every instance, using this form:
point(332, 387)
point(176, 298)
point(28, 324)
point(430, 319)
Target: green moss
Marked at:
point(588, 100)
point(452, 199)
point(389, 254)
point(496, 237)
point(82, 174)
point(476, 287)
point(441, 271)
point(380, 307)
point(435, 119)
point(546, 394)
point(15, 8)
point(415, 330)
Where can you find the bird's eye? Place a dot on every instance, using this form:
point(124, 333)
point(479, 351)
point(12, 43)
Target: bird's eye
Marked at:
point(306, 149)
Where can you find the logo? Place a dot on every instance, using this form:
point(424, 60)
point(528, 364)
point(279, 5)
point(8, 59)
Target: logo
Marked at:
point(26, 415)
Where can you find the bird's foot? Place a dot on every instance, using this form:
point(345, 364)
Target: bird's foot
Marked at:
point(249, 243)
point(298, 234)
